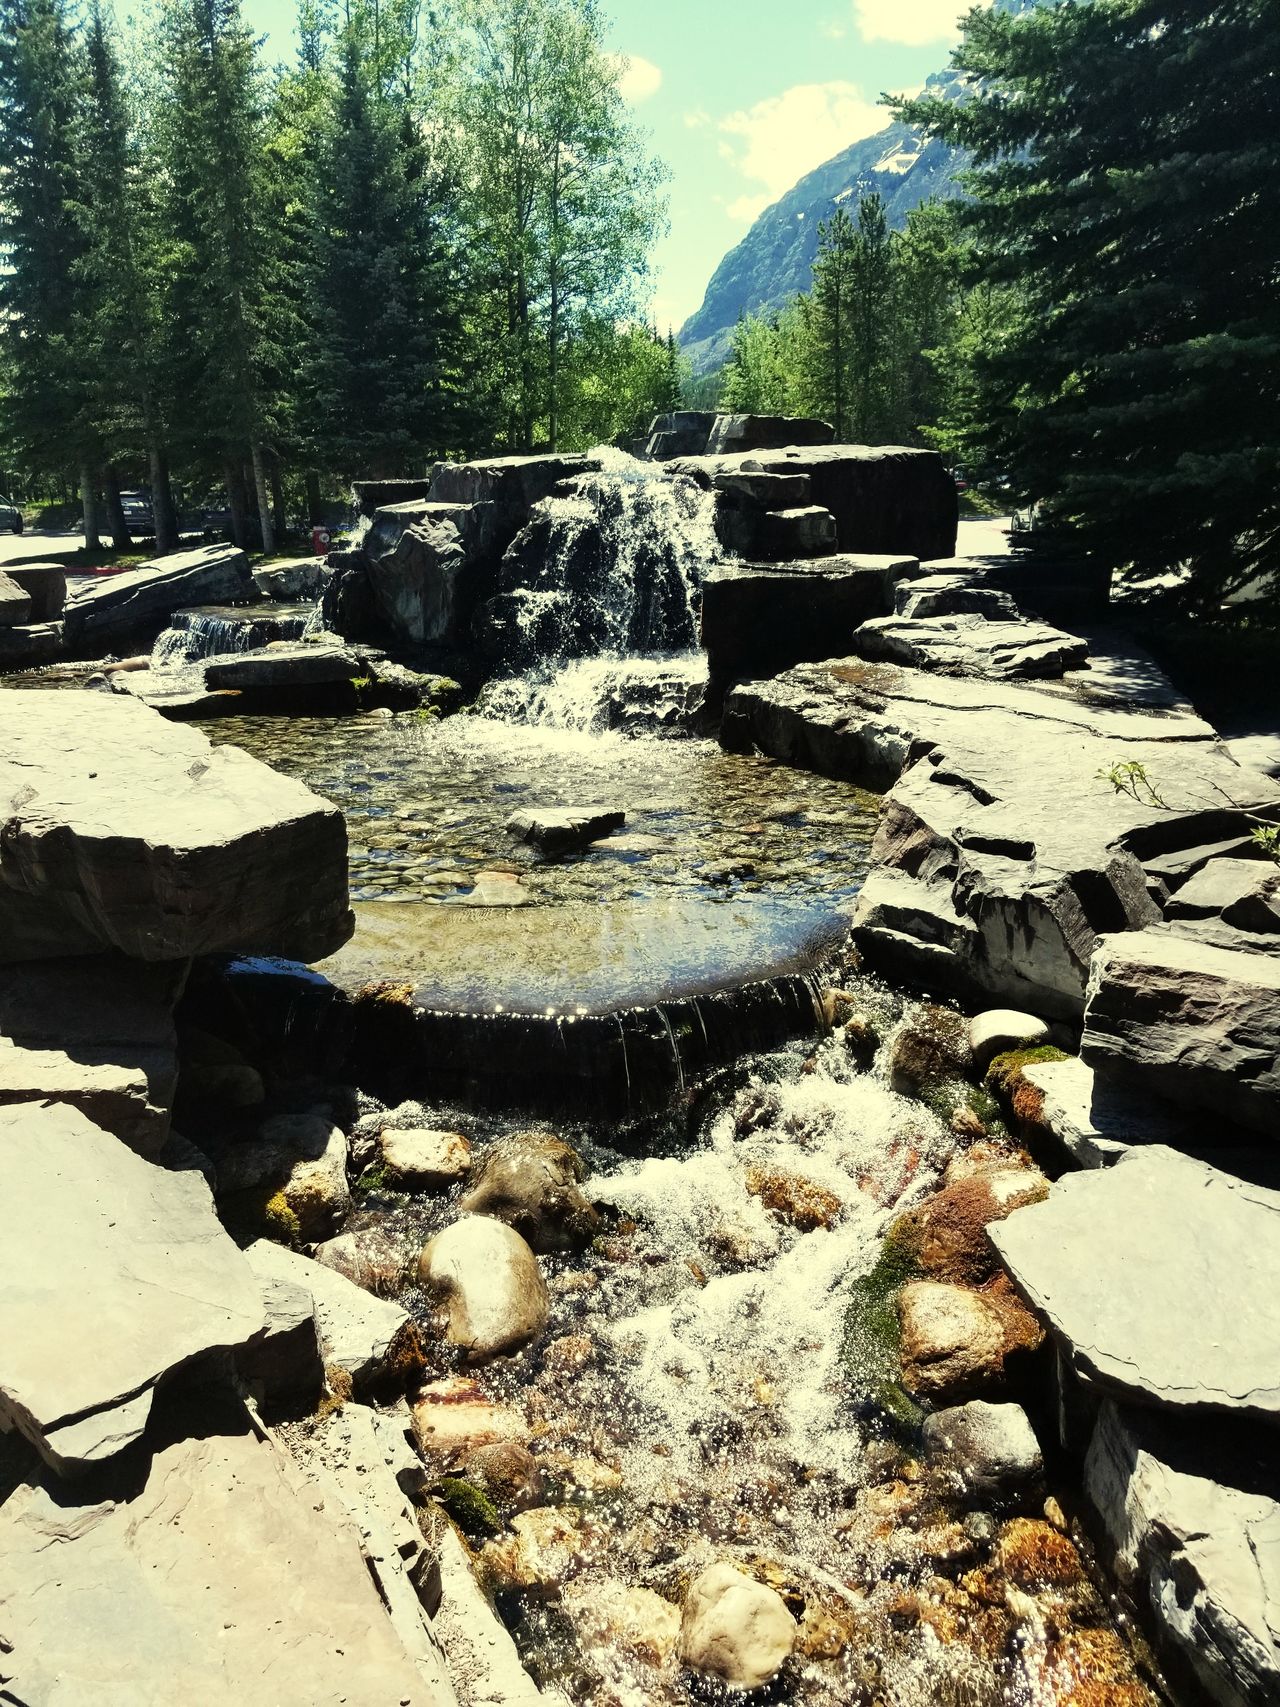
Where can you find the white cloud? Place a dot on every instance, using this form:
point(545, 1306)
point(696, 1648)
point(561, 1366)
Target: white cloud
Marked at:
point(833, 29)
point(780, 139)
point(697, 118)
point(639, 79)
point(912, 22)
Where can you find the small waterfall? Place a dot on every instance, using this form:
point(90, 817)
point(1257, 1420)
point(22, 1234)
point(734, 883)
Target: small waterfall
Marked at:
point(218, 629)
point(598, 610)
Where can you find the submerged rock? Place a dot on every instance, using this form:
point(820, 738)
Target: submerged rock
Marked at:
point(370, 1257)
point(955, 1341)
point(532, 1182)
point(555, 830)
point(454, 1419)
point(423, 1158)
point(984, 1451)
point(735, 1629)
point(488, 1285)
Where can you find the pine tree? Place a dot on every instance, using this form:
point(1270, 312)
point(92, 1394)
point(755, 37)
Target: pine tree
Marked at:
point(48, 393)
point(119, 331)
point(672, 395)
point(383, 372)
point(1126, 153)
point(210, 127)
point(827, 315)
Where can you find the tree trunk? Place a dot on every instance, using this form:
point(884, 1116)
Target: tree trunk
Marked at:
point(237, 504)
point(264, 506)
point(313, 499)
point(89, 507)
point(162, 501)
point(119, 528)
point(277, 499)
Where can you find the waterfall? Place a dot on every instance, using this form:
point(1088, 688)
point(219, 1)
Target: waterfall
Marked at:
point(598, 610)
point(218, 629)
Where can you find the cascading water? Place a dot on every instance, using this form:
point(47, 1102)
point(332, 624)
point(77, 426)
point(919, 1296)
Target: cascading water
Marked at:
point(598, 612)
point(216, 630)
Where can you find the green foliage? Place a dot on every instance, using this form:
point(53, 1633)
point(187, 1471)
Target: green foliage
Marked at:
point(1123, 356)
point(1130, 776)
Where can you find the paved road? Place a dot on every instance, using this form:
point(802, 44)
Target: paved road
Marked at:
point(37, 545)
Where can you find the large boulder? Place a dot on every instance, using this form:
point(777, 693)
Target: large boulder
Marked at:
point(137, 602)
point(113, 1274)
point(731, 434)
point(532, 1181)
point(32, 644)
point(15, 603)
point(1002, 856)
point(1189, 1021)
point(222, 1579)
point(757, 621)
point(972, 645)
point(735, 1628)
point(293, 578)
point(885, 498)
point(512, 484)
point(1194, 1529)
point(45, 584)
point(430, 566)
point(955, 1341)
point(488, 1286)
point(124, 831)
point(1175, 1304)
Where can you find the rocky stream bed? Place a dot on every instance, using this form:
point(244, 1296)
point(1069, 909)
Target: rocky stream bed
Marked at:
point(697, 1230)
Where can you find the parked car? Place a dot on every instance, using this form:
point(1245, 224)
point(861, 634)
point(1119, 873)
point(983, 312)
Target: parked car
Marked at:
point(139, 515)
point(10, 516)
point(961, 479)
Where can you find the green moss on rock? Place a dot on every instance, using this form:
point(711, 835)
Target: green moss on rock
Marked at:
point(470, 1508)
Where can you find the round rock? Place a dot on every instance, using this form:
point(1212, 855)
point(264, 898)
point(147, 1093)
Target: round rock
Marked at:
point(422, 1158)
point(985, 1450)
point(488, 1286)
point(530, 1181)
point(999, 1029)
point(735, 1628)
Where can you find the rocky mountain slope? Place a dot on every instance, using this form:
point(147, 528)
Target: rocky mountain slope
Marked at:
point(774, 261)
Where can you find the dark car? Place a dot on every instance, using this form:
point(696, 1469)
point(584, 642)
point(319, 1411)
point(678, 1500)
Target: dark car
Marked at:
point(139, 516)
point(10, 516)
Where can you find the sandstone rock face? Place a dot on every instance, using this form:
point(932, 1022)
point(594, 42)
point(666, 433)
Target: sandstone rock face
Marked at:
point(771, 536)
point(1195, 1533)
point(531, 1181)
point(757, 621)
point(735, 1629)
point(130, 1263)
point(122, 607)
point(127, 832)
point(15, 603)
point(189, 1590)
point(295, 578)
point(1176, 1303)
point(733, 433)
point(488, 1284)
point(1195, 1023)
point(984, 1451)
point(555, 830)
point(996, 1030)
point(1001, 858)
point(953, 595)
point(357, 1331)
point(101, 1012)
point(972, 645)
point(114, 1098)
point(430, 565)
point(45, 584)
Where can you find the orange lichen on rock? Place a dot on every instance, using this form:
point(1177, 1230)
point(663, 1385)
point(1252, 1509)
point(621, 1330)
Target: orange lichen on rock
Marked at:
point(800, 1202)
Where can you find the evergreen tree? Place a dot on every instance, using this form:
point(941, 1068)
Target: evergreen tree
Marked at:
point(755, 377)
point(383, 377)
point(827, 316)
point(47, 393)
point(119, 331)
point(673, 378)
point(1126, 153)
point(221, 355)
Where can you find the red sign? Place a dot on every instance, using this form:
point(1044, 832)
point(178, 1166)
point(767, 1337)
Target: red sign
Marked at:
point(320, 541)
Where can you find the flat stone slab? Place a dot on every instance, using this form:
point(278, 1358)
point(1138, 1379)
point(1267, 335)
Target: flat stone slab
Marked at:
point(113, 1272)
point(227, 1579)
point(126, 831)
point(35, 643)
point(289, 664)
point(1096, 1121)
point(356, 1329)
point(1194, 1527)
point(953, 595)
point(1002, 856)
point(114, 607)
point(1190, 1021)
point(112, 1097)
point(1160, 1276)
point(563, 829)
point(972, 645)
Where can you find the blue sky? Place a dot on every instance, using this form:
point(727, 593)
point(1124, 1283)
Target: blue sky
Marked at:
point(742, 97)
